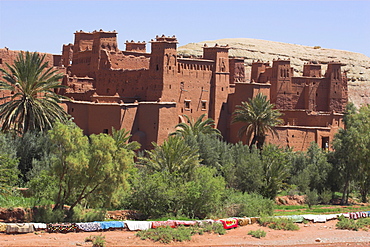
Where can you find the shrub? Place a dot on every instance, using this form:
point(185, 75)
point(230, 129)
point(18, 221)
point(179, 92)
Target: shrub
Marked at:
point(82, 215)
point(47, 214)
point(97, 240)
point(167, 234)
point(351, 224)
point(279, 223)
point(317, 47)
point(164, 194)
point(258, 233)
point(326, 196)
point(311, 198)
point(250, 205)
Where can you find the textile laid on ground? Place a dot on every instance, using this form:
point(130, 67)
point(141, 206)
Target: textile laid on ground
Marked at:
point(254, 219)
point(244, 221)
point(156, 224)
point(39, 226)
point(357, 215)
point(89, 226)
point(320, 218)
point(2, 227)
point(229, 223)
point(205, 222)
point(138, 225)
point(62, 228)
point(184, 222)
point(294, 218)
point(19, 228)
point(111, 224)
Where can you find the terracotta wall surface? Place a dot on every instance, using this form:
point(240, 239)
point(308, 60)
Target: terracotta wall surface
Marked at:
point(148, 93)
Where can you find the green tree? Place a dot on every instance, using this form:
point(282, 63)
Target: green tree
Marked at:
point(9, 173)
point(194, 128)
point(310, 170)
point(249, 173)
point(122, 138)
point(164, 194)
point(173, 156)
point(33, 104)
point(8, 166)
point(86, 171)
point(31, 147)
point(258, 117)
point(276, 167)
point(352, 151)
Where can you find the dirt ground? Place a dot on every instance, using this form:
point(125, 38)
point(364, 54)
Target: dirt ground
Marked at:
point(311, 234)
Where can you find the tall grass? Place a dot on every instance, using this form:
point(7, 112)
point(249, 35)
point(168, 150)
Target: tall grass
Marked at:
point(318, 209)
point(15, 201)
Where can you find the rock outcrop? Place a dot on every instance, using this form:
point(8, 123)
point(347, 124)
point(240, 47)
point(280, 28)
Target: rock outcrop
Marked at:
point(357, 64)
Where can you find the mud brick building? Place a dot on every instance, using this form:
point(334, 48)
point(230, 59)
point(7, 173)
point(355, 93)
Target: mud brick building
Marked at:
point(148, 93)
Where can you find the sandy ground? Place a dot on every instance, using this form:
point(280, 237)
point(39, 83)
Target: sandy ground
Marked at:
point(306, 236)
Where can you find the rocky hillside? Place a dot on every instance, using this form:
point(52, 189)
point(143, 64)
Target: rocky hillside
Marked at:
point(357, 65)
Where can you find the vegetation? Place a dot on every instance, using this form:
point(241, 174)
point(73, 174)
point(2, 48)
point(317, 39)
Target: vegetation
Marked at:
point(279, 223)
point(33, 104)
point(258, 233)
point(193, 174)
point(194, 128)
point(180, 234)
point(351, 224)
point(352, 152)
point(258, 117)
point(97, 240)
point(81, 170)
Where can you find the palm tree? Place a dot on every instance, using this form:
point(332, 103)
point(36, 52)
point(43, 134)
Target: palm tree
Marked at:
point(174, 156)
point(258, 117)
point(32, 104)
point(122, 138)
point(194, 128)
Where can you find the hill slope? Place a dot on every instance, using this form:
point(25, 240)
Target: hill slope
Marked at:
point(357, 64)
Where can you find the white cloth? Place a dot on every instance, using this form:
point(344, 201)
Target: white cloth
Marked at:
point(19, 228)
point(138, 225)
point(38, 226)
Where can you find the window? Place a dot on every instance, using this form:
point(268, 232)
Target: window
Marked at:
point(204, 105)
point(105, 131)
point(187, 104)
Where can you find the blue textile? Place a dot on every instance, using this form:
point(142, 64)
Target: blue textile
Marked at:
point(111, 224)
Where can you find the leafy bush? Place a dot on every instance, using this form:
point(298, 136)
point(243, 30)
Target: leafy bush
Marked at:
point(351, 224)
point(47, 214)
point(163, 194)
point(166, 234)
point(258, 233)
point(311, 198)
point(180, 234)
point(82, 215)
point(250, 205)
point(279, 223)
point(97, 240)
point(326, 196)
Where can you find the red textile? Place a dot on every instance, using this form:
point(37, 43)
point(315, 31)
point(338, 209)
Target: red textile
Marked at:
point(185, 222)
point(229, 223)
point(157, 224)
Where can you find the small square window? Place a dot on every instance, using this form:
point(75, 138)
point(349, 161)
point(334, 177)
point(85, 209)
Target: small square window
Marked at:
point(105, 131)
point(204, 105)
point(187, 104)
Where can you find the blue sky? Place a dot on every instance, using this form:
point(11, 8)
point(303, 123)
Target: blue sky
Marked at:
point(45, 25)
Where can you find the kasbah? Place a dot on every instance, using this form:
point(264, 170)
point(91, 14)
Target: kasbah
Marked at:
point(149, 93)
